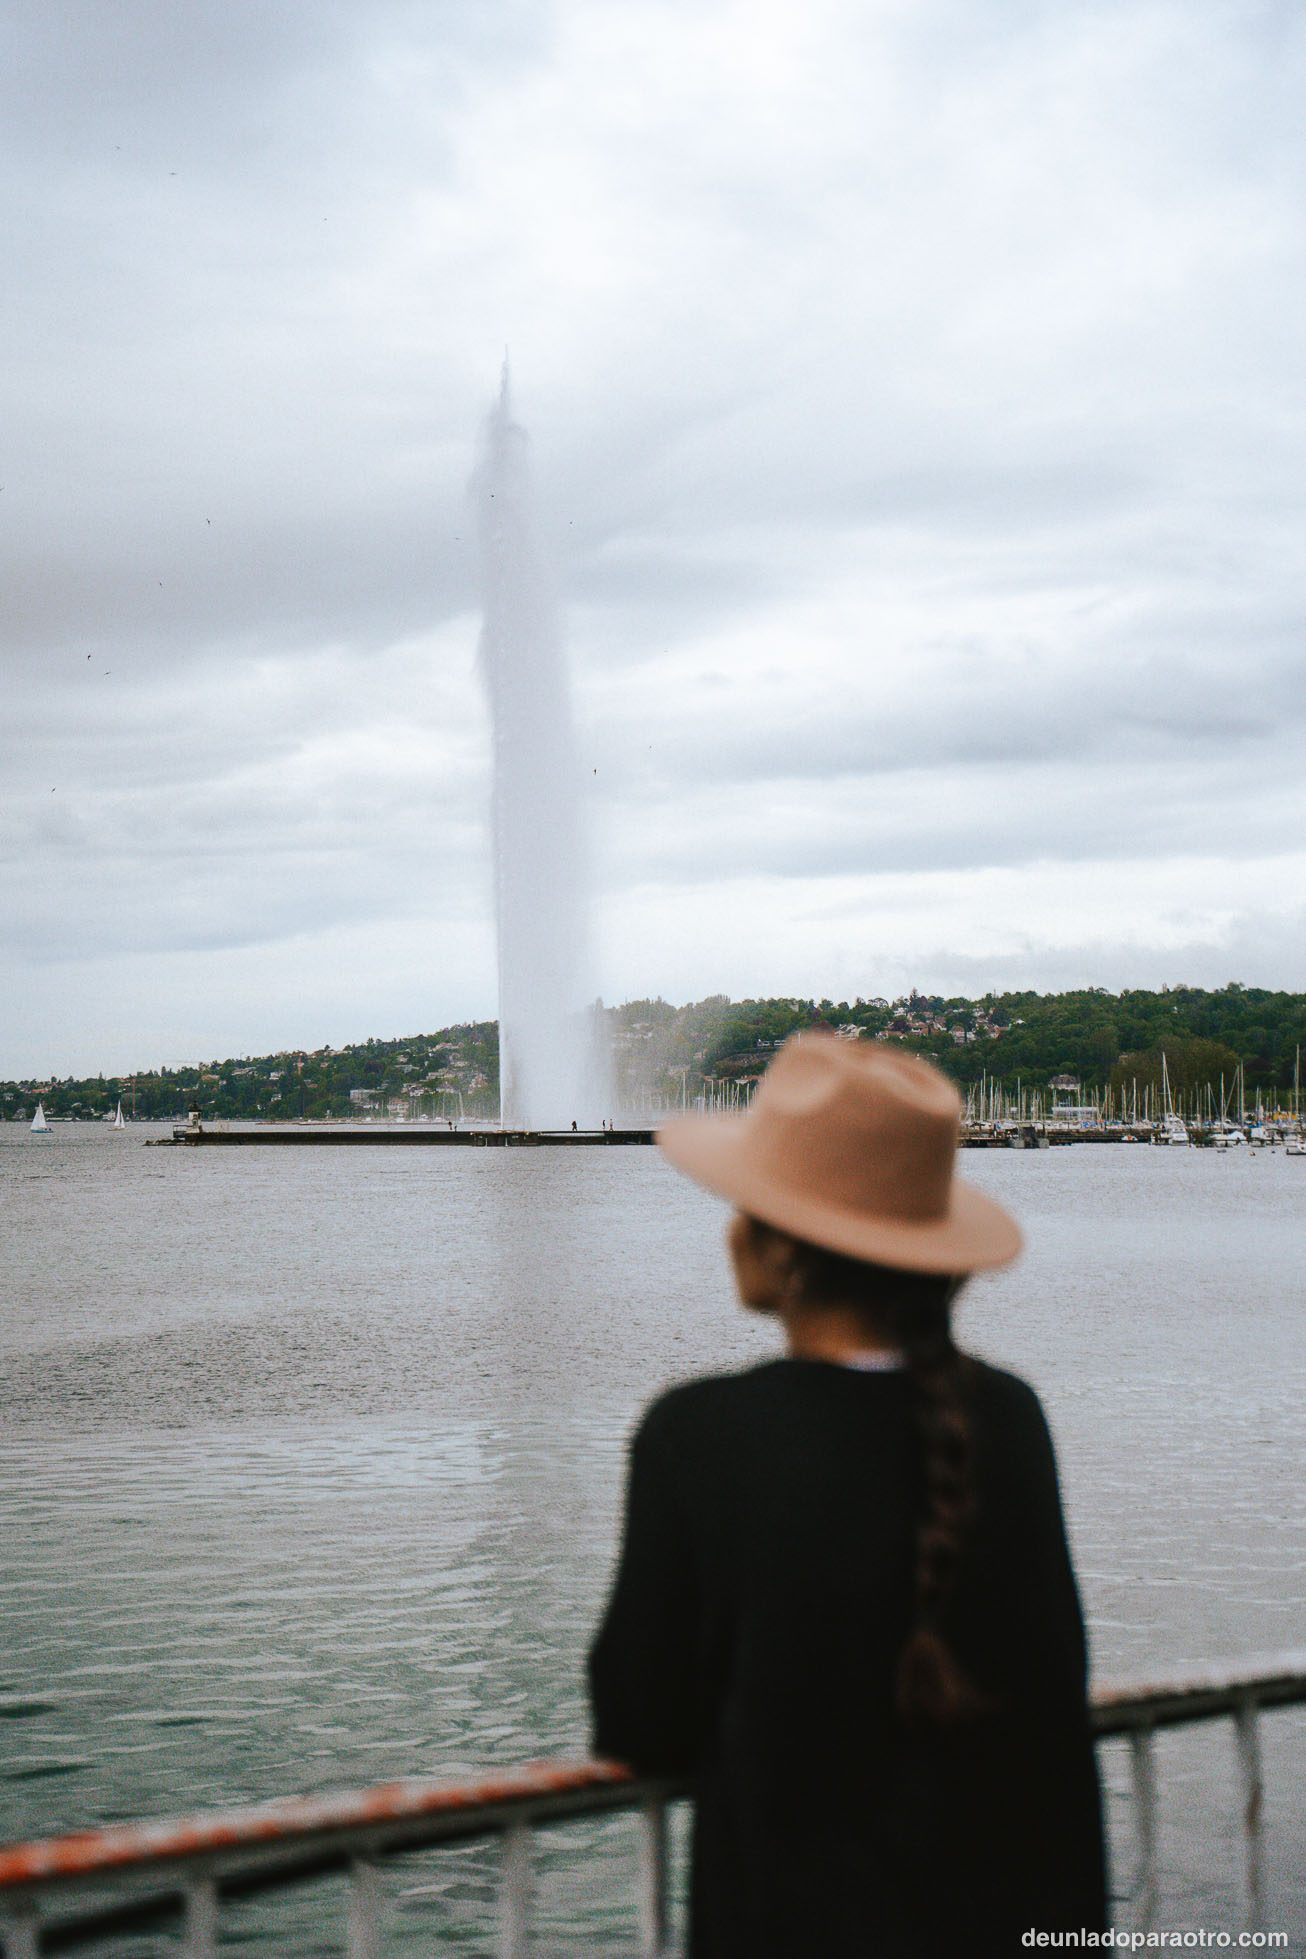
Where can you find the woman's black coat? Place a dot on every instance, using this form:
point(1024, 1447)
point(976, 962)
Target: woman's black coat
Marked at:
point(762, 1597)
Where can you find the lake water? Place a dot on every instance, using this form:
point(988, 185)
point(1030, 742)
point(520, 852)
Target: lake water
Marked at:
point(310, 1464)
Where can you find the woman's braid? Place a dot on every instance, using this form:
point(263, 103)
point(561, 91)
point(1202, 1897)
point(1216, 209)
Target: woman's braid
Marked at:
point(912, 1311)
point(932, 1688)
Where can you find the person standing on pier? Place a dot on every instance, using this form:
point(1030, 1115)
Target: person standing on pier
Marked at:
point(844, 1604)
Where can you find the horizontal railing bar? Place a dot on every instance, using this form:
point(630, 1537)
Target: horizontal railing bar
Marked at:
point(418, 1833)
point(154, 1906)
point(1204, 1697)
point(306, 1864)
point(548, 1794)
point(293, 1819)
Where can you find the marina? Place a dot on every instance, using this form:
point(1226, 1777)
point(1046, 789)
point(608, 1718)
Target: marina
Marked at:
point(1166, 1134)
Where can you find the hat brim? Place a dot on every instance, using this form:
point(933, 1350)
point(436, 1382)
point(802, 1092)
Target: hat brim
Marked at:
point(975, 1234)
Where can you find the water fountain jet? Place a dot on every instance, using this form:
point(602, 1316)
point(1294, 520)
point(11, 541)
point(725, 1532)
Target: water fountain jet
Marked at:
point(551, 1067)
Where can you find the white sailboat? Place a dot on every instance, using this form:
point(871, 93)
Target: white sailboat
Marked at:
point(118, 1122)
point(40, 1127)
point(1296, 1143)
point(1173, 1128)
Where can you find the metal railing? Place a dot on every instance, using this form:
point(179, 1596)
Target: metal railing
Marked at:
point(179, 1873)
point(1236, 1694)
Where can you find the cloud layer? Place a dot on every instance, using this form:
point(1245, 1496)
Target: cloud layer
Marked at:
point(917, 397)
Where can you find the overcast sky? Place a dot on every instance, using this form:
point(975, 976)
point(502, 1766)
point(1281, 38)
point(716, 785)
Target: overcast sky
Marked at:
point(916, 397)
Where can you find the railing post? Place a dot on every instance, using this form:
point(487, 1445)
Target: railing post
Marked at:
point(1141, 1746)
point(20, 1935)
point(515, 1892)
point(652, 1878)
point(364, 1926)
point(199, 1932)
point(1247, 1735)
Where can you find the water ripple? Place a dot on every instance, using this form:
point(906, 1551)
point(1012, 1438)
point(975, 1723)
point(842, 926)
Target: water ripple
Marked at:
point(309, 1470)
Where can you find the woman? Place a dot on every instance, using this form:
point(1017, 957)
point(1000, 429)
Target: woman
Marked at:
point(844, 1603)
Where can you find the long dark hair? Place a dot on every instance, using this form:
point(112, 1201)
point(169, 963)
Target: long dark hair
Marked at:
point(912, 1311)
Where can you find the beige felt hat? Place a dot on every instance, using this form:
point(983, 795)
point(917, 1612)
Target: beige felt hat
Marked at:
point(852, 1148)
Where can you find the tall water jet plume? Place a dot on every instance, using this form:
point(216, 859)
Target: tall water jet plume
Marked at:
point(551, 1069)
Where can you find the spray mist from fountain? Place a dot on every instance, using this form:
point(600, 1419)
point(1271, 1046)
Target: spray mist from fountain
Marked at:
point(552, 1070)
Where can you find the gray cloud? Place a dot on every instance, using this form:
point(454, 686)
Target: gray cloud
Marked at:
point(963, 820)
point(916, 398)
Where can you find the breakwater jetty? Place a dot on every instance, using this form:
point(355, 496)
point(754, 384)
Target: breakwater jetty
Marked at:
point(196, 1135)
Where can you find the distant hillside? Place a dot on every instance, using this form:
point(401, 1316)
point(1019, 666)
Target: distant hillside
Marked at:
point(1091, 1036)
point(426, 1073)
point(665, 1055)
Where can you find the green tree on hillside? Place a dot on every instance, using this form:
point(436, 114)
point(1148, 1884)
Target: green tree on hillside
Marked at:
point(1192, 1065)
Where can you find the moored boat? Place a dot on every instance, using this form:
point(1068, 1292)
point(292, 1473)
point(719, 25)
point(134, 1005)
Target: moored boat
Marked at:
point(1173, 1130)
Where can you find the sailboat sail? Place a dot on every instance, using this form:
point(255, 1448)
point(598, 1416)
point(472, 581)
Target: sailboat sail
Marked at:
point(118, 1122)
point(40, 1127)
